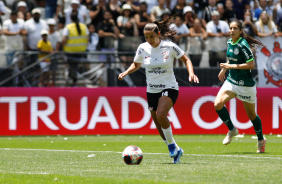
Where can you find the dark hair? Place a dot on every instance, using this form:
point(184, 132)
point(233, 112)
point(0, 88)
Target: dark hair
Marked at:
point(74, 18)
point(179, 16)
point(144, 3)
point(14, 12)
point(163, 28)
point(62, 20)
point(252, 41)
point(88, 25)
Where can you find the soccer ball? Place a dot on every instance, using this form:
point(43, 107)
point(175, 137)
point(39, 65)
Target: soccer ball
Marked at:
point(132, 155)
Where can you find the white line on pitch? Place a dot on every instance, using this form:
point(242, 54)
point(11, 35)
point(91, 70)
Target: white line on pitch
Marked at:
point(277, 157)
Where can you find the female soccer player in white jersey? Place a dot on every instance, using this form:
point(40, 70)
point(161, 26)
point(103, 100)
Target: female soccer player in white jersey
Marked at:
point(239, 83)
point(157, 54)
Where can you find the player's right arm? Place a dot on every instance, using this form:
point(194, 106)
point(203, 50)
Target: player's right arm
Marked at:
point(133, 67)
point(221, 75)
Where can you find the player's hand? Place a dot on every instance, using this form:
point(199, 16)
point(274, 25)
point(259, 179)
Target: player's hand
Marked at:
point(193, 78)
point(221, 75)
point(121, 76)
point(225, 66)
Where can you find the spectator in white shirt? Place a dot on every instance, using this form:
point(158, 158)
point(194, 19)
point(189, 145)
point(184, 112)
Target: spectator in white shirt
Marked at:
point(197, 44)
point(93, 38)
point(157, 11)
point(2, 10)
point(30, 4)
point(22, 10)
point(266, 27)
point(54, 36)
point(12, 29)
point(182, 34)
point(56, 40)
point(218, 31)
point(76, 7)
point(33, 27)
point(151, 4)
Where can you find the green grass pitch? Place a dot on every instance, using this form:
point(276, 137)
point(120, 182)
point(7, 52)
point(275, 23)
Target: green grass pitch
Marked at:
point(98, 159)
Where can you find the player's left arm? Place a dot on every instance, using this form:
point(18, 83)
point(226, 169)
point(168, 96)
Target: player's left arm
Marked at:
point(189, 66)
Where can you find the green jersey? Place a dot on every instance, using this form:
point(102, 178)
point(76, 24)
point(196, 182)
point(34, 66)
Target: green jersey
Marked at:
point(238, 53)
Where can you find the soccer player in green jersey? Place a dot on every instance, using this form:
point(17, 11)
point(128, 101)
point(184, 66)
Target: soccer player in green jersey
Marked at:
point(239, 83)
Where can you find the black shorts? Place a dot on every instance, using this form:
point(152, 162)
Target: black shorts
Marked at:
point(153, 98)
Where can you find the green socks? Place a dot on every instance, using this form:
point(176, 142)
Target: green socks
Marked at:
point(224, 116)
point(258, 128)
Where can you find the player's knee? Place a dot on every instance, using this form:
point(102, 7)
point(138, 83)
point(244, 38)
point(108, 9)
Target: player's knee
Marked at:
point(161, 117)
point(252, 116)
point(218, 105)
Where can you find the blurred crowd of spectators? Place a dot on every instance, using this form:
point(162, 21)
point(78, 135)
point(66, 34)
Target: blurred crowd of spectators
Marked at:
point(108, 21)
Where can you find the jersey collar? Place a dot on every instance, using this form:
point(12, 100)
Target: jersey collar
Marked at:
point(236, 41)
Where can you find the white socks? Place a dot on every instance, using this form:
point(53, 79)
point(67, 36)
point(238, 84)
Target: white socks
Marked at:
point(169, 137)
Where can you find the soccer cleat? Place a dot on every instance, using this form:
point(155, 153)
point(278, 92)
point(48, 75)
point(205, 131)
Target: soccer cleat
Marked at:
point(172, 150)
point(261, 146)
point(229, 136)
point(176, 159)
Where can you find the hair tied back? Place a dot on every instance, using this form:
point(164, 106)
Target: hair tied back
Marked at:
point(157, 23)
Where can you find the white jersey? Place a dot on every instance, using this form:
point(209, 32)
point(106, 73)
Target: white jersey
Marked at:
point(158, 63)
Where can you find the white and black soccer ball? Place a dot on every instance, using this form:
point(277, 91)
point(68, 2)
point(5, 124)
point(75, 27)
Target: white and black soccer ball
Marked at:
point(132, 155)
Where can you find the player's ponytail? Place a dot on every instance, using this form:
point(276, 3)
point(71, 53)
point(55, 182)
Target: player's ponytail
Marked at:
point(162, 27)
point(74, 18)
point(252, 41)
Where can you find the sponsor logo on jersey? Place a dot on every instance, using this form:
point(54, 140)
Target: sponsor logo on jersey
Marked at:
point(246, 54)
point(156, 85)
point(162, 47)
point(176, 50)
point(140, 51)
point(230, 50)
point(158, 70)
point(232, 59)
point(236, 51)
point(234, 81)
point(241, 83)
point(165, 54)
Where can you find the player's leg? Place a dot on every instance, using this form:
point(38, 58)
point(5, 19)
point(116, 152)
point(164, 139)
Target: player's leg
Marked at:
point(180, 151)
point(154, 116)
point(222, 97)
point(164, 105)
point(160, 130)
point(255, 119)
point(159, 105)
point(153, 99)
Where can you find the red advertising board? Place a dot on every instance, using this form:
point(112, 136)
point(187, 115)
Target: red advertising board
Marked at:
point(87, 111)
